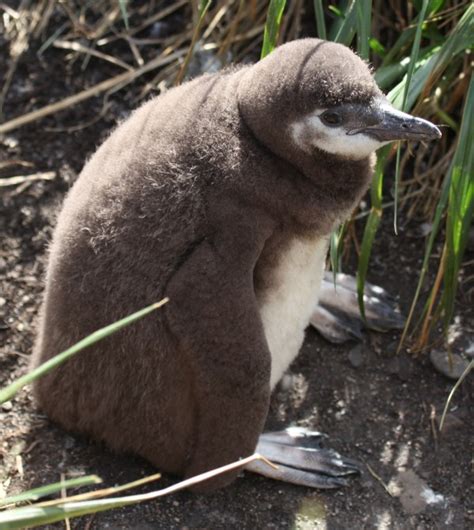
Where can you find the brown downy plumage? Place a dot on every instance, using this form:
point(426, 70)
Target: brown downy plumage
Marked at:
point(197, 196)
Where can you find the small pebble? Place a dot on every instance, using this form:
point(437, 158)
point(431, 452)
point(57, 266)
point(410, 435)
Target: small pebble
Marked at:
point(356, 356)
point(470, 350)
point(401, 366)
point(451, 366)
point(392, 347)
point(414, 493)
point(7, 406)
point(10, 141)
point(69, 442)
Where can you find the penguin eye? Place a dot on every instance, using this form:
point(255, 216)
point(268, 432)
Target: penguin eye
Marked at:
point(331, 118)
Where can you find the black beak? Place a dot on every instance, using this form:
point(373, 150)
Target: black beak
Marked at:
point(397, 125)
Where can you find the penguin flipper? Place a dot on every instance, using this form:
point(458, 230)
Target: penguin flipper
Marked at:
point(337, 316)
point(301, 459)
point(214, 314)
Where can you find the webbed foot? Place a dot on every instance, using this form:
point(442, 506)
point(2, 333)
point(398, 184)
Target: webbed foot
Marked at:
point(301, 459)
point(337, 316)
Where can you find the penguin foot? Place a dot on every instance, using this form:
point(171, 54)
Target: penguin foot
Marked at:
point(337, 316)
point(301, 459)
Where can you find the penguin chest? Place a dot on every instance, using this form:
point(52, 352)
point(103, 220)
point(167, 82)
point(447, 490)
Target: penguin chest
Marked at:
point(289, 298)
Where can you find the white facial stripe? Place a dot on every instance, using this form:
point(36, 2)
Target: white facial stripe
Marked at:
point(311, 132)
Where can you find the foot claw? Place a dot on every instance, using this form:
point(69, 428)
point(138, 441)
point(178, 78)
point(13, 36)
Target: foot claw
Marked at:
point(296, 476)
point(301, 459)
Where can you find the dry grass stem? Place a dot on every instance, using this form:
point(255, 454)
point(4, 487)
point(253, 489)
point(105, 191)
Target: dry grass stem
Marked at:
point(80, 48)
point(121, 79)
point(104, 492)
point(21, 179)
point(379, 479)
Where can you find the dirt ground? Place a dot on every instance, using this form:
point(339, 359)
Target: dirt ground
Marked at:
point(376, 407)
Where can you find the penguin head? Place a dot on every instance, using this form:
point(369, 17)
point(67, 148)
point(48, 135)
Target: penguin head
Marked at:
point(315, 96)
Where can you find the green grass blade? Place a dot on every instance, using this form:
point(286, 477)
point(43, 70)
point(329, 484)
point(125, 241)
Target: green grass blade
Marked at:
point(346, 27)
point(335, 249)
point(408, 34)
point(434, 61)
point(31, 516)
point(419, 80)
point(123, 10)
point(364, 24)
point(370, 230)
point(403, 41)
point(377, 47)
point(469, 367)
point(272, 26)
point(333, 257)
point(458, 41)
point(104, 492)
point(460, 195)
point(43, 491)
point(203, 8)
point(440, 208)
point(422, 73)
point(385, 76)
point(320, 21)
point(411, 68)
point(8, 392)
point(371, 226)
point(460, 205)
point(396, 189)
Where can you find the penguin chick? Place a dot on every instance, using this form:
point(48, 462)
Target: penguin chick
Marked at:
point(220, 194)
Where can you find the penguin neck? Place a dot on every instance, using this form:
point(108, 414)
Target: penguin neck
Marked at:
point(327, 183)
point(321, 188)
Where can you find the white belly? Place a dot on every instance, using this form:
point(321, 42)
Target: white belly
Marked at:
point(286, 308)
